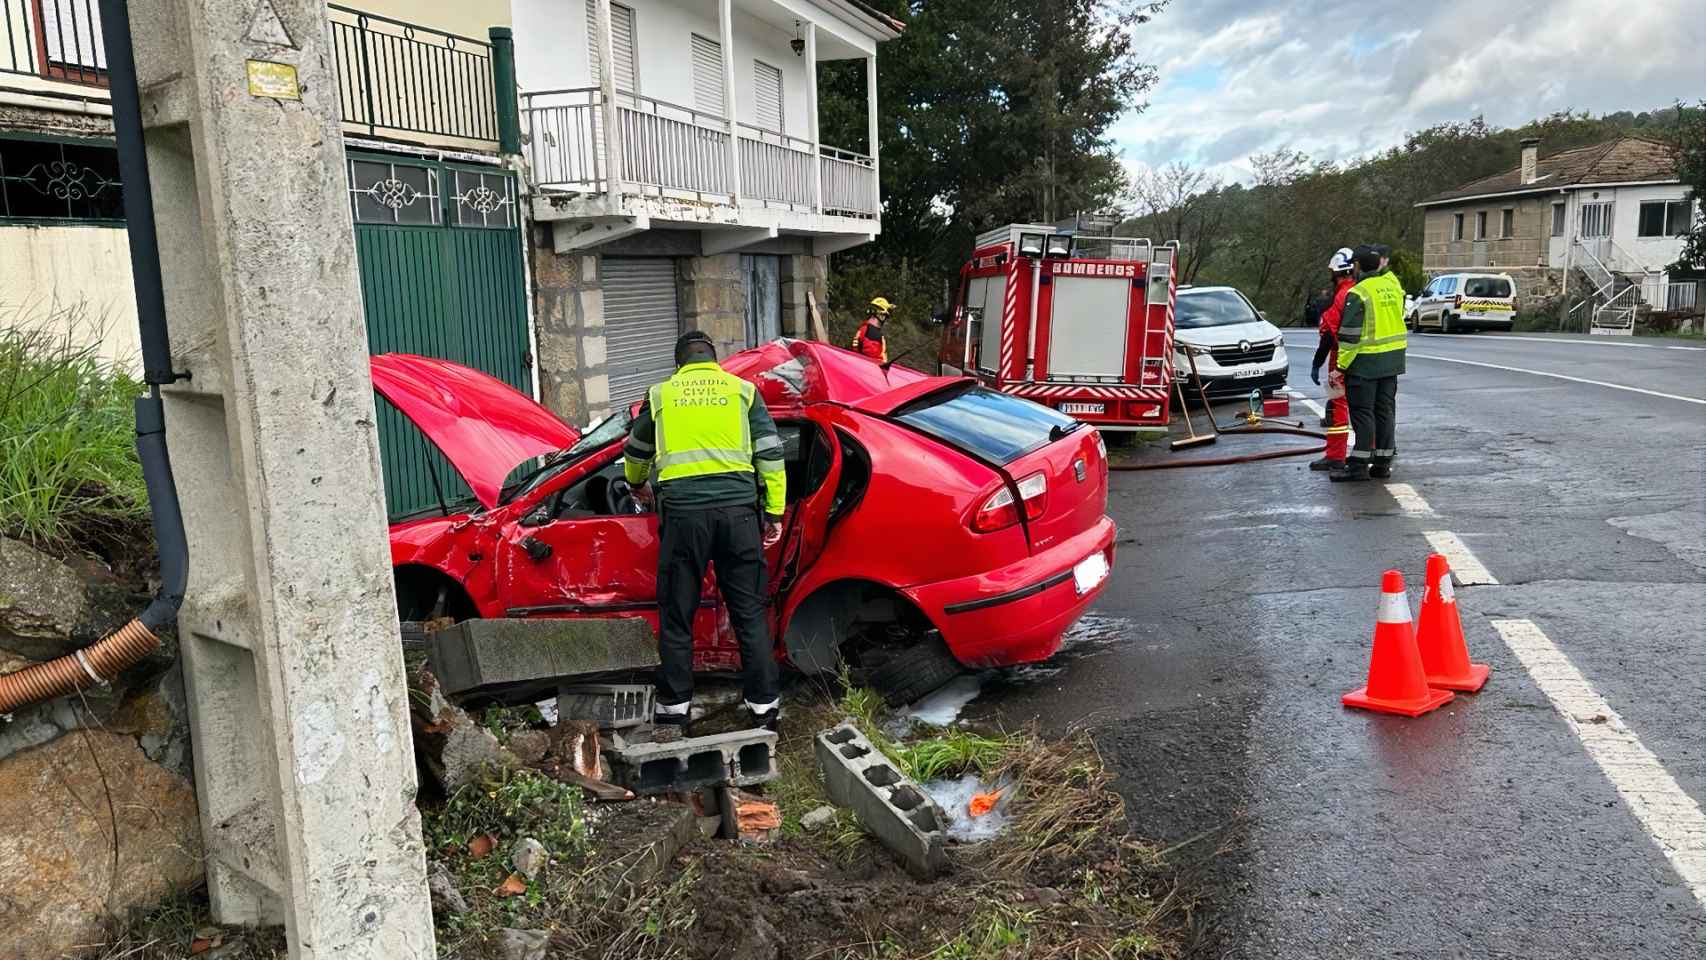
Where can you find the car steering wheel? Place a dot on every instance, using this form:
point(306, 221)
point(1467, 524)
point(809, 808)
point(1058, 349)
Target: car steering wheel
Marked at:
point(620, 494)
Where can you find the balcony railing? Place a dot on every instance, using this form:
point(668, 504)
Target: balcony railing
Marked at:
point(397, 78)
point(53, 39)
point(668, 149)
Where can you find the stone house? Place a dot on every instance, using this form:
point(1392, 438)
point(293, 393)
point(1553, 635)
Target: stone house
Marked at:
point(1610, 217)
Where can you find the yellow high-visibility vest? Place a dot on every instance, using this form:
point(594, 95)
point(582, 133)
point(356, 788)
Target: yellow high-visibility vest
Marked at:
point(1382, 330)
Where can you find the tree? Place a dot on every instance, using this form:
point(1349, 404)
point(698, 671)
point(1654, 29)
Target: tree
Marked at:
point(1183, 203)
point(1688, 141)
point(990, 111)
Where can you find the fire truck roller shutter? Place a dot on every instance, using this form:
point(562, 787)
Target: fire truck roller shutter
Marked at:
point(994, 291)
point(1088, 327)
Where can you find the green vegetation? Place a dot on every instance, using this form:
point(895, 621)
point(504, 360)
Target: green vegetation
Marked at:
point(955, 752)
point(68, 467)
point(516, 804)
point(1272, 238)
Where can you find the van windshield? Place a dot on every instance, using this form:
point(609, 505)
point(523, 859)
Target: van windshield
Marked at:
point(1486, 287)
point(1211, 308)
point(995, 426)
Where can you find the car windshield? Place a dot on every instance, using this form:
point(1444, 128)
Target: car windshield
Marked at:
point(998, 427)
point(1211, 308)
point(1486, 287)
point(600, 435)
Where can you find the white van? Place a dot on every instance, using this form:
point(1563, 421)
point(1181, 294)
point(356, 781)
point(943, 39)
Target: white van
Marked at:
point(1465, 301)
point(1237, 349)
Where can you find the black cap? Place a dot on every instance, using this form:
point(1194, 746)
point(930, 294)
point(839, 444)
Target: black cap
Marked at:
point(1366, 257)
point(691, 342)
point(1382, 250)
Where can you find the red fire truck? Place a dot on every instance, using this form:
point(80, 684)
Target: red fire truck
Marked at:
point(1080, 323)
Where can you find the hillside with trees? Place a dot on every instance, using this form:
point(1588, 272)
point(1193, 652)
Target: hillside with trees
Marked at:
point(1272, 237)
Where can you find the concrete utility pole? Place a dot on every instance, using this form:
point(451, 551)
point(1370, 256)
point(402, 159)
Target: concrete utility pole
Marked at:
point(304, 764)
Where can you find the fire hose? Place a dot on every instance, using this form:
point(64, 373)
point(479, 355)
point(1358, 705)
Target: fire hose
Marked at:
point(1254, 427)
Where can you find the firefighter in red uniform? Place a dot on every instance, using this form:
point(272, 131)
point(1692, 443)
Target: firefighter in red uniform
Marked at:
point(869, 340)
point(1327, 351)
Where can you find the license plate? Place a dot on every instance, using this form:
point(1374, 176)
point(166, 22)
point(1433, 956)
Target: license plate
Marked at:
point(1249, 374)
point(1083, 408)
point(1089, 572)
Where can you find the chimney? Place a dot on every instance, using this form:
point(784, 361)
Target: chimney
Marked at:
point(1530, 159)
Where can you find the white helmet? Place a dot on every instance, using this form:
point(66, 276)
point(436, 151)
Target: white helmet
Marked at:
point(1341, 260)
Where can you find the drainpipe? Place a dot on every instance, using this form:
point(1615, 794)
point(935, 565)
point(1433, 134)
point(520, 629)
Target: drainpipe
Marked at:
point(103, 660)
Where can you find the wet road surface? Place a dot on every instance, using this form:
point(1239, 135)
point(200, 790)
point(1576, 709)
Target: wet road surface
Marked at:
point(1242, 605)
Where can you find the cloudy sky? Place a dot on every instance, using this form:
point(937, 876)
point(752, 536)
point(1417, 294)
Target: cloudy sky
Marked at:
point(1249, 76)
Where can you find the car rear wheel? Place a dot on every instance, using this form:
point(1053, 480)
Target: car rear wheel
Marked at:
point(905, 675)
point(1445, 325)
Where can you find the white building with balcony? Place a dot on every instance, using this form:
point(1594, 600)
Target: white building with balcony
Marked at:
point(678, 179)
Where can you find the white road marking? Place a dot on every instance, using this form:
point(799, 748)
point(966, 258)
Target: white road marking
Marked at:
point(1468, 570)
point(1310, 404)
point(1409, 500)
point(1560, 376)
point(1597, 343)
point(1668, 814)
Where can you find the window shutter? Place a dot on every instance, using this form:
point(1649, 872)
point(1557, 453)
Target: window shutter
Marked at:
point(767, 95)
point(708, 76)
point(621, 45)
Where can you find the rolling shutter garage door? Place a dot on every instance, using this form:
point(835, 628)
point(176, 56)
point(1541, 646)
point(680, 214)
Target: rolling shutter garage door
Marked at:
point(640, 324)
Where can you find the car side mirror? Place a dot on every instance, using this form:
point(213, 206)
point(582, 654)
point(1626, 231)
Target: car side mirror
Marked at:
point(1262, 313)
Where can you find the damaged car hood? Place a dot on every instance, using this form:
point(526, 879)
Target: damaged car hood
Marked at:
point(483, 426)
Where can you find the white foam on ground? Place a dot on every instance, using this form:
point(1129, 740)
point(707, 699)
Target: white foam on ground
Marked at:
point(942, 708)
point(954, 797)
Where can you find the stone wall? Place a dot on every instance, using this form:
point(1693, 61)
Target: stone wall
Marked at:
point(569, 312)
point(1526, 247)
point(711, 293)
point(802, 274)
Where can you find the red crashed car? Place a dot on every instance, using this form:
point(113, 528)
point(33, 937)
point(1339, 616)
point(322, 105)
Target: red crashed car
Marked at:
point(931, 524)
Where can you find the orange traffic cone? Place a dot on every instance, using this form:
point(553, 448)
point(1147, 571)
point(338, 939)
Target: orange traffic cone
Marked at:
point(1439, 634)
point(1396, 683)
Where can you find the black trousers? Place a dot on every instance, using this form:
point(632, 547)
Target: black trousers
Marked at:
point(1374, 417)
point(733, 539)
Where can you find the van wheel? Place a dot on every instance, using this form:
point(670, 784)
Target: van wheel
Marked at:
point(908, 673)
point(1445, 323)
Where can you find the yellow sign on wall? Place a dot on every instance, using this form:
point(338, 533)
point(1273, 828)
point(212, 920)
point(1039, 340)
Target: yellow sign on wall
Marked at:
point(275, 80)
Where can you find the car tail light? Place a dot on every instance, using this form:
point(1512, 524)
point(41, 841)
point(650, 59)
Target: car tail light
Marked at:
point(999, 512)
point(1457, 301)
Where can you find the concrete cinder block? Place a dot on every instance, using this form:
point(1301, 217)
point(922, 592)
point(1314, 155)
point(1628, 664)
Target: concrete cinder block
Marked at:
point(741, 757)
point(514, 660)
point(613, 706)
point(889, 804)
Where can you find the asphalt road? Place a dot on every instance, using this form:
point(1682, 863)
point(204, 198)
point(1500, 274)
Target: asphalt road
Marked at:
point(1242, 606)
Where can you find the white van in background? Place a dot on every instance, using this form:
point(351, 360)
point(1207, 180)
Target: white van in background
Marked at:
point(1465, 301)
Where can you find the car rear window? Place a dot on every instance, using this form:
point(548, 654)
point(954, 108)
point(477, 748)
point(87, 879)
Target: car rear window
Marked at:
point(994, 426)
point(1486, 287)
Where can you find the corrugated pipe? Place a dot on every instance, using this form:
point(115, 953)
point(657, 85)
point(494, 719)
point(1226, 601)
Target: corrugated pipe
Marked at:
point(103, 660)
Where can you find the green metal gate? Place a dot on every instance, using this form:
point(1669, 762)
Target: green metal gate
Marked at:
point(441, 276)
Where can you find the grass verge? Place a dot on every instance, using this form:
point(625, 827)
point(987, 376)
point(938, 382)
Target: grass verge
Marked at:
point(68, 468)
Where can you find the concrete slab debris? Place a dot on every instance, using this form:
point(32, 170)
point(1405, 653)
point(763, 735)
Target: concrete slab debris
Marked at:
point(523, 944)
point(740, 757)
point(613, 706)
point(520, 661)
point(639, 841)
point(889, 804)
